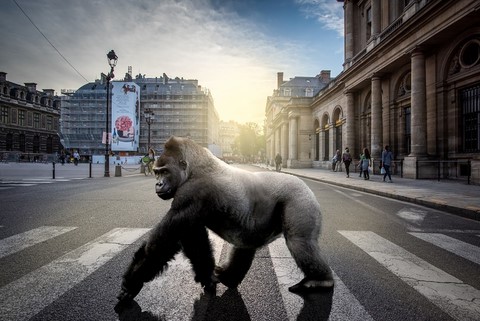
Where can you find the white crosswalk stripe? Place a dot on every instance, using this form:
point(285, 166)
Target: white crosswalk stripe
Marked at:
point(465, 250)
point(8, 184)
point(21, 241)
point(344, 305)
point(461, 301)
point(28, 295)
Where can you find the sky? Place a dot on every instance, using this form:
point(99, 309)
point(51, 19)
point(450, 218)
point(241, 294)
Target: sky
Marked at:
point(234, 48)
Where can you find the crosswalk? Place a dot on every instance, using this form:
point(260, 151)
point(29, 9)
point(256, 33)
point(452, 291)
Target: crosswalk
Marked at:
point(26, 297)
point(25, 182)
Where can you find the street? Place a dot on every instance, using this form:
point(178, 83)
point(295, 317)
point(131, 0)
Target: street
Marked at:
point(65, 243)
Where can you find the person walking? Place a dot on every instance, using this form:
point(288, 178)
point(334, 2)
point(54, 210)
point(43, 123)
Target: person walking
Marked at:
point(278, 162)
point(347, 159)
point(337, 161)
point(366, 162)
point(387, 161)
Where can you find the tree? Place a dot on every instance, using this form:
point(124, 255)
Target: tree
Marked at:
point(251, 142)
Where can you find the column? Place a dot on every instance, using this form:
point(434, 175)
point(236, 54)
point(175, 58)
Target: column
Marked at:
point(277, 142)
point(376, 121)
point(418, 103)
point(292, 136)
point(284, 142)
point(350, 123)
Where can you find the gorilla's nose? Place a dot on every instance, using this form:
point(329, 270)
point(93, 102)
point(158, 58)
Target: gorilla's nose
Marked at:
point(158, 187)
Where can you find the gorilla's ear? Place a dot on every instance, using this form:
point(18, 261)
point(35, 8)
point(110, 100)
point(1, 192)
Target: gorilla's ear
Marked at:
point(183, 164)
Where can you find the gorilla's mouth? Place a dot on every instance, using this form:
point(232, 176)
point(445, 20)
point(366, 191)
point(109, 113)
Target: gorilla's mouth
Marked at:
point(164, 195)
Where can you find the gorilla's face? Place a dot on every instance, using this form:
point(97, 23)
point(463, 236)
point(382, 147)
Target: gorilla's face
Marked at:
point(171, 175)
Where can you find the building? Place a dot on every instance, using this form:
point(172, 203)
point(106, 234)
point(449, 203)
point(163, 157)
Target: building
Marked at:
point(229, 132)
point(29, 122)
point(411, 80)
point(179, 107)
point(289, 130)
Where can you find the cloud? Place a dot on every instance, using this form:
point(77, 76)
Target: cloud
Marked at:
point(328, 12)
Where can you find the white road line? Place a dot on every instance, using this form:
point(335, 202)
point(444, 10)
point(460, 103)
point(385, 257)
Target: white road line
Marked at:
point(28, 295)
point(344, 305)
point(461, 301)
point(169, 285)
point(21, 241)
point(463, 249)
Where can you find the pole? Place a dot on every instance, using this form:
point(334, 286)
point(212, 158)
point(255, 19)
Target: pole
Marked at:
point(148, 122)
point(107, 160)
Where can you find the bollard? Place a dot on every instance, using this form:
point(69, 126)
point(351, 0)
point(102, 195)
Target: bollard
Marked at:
point(90, 169)
point(53, 171)
point(142, 168)
point(118, 171)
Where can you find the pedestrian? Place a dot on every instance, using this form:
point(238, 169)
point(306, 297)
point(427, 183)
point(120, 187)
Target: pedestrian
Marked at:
point(366, 162)
point(347, 159)
point(387, 161)
point(278, 162)
point(76, 157)
point(338, 161)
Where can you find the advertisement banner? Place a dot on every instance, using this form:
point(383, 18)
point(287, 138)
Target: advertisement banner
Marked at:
point(125, 116)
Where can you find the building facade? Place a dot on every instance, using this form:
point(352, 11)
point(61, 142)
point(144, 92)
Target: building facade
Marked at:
point(29, 122)
point(180, 107)
point(411, 80)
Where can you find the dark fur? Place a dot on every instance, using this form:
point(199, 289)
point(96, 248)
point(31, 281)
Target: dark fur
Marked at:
point(248, 210)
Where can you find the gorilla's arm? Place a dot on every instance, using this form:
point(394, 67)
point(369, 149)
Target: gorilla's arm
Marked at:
point(175, 232)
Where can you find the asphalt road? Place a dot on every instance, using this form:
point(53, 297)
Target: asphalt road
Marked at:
point(65, 243)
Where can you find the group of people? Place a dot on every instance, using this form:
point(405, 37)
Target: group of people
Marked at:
point(365, 163)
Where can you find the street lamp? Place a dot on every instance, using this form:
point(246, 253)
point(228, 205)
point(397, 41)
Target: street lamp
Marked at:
point(112, 61)
point(149, 117)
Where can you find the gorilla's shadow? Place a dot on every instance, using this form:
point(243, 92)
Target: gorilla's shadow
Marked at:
point(231, 307)
point(228, 307)
point(133, 312)
point(316, 306)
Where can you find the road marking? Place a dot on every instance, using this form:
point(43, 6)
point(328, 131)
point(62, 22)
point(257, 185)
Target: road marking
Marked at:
point(21, 241)
point(344, 304)
point(463, 249)
point(461, 301)
point(25, 297)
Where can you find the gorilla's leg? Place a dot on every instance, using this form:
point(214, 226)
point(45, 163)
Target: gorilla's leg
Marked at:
point(196, 246)
point(237, 267)
point(306, 253)
point(149, 261)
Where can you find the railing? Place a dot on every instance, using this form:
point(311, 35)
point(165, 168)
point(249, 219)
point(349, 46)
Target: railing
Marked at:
point(444, 169)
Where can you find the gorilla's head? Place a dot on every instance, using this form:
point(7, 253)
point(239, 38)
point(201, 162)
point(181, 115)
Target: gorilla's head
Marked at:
point(182, 159)
point(171, 169)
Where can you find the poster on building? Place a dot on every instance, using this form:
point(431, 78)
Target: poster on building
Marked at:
point(125, 116)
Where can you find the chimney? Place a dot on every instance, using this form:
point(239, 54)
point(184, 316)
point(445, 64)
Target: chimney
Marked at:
point(49, 92)
point(324, 76)
point(165, 79)
point(3, 76)
point(279, 79)
point(32, 87)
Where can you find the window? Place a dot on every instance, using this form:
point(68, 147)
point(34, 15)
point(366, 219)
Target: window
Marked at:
point(21, 117)
point(21, 142)
point(369, 22)
point(49, 122)
point(470, 120)
point(36, 144)
point(308, 92)
point(4, 115)
point(36, 120)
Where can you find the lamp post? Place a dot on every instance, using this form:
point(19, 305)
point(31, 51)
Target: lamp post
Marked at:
point(149, 117)
point(112, 61)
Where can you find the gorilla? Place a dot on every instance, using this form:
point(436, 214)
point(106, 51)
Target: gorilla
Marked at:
point(248, 210)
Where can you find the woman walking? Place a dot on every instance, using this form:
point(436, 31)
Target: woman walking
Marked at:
point(387, 159)
point(366, 163)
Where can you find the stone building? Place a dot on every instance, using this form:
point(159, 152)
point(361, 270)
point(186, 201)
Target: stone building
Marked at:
point(29, 122)
point(411, 80)
point(181, 107)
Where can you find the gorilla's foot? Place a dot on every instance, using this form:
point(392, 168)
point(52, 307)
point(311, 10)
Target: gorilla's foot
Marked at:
point(222, 275)
point(310, 285)
point(128, 293)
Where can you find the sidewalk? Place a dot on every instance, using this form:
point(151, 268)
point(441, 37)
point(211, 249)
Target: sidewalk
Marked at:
point(455, 197)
